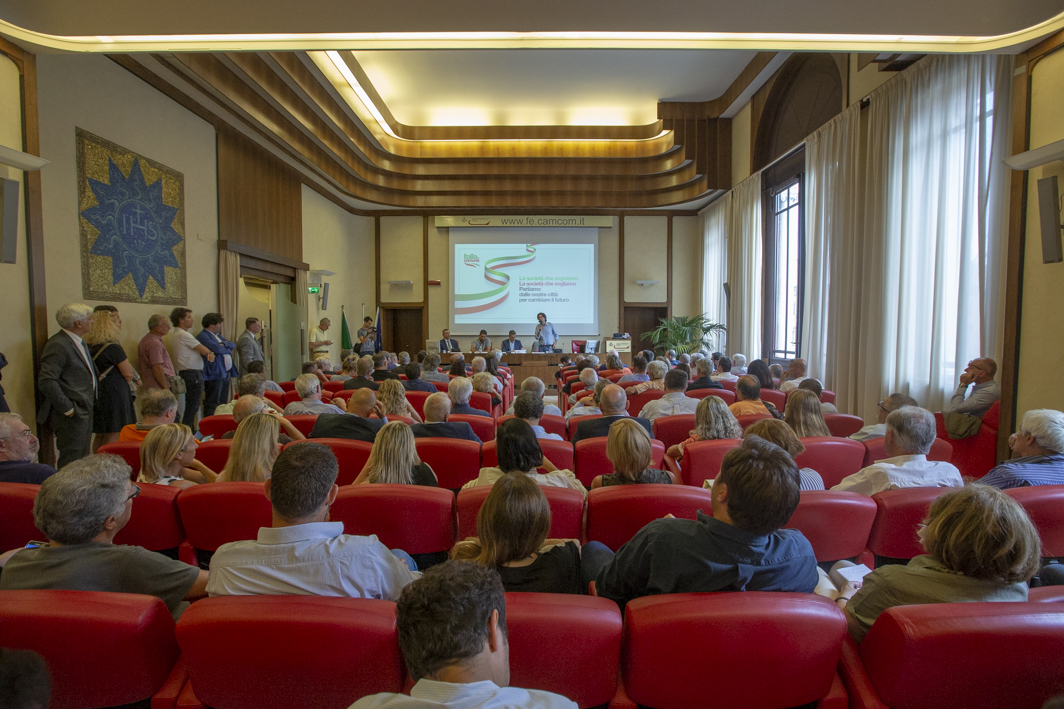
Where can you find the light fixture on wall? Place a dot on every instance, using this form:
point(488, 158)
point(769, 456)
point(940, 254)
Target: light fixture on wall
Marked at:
point(20, 160)
point(401, 283)
point(317, 274)
point(647, 283)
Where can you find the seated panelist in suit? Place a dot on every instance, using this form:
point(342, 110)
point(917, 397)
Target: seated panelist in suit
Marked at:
point(437, 409)
point(448, 344)
point(68, 383)
point(511, 343)
point(355, 425)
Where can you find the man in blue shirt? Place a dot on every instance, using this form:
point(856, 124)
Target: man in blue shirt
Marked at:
point(1037, 453)
point(546, 335)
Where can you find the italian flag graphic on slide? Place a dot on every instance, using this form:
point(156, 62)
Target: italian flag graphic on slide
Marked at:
point(496, 283)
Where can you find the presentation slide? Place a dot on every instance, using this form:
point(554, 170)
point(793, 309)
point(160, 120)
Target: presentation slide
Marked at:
point(502, 278)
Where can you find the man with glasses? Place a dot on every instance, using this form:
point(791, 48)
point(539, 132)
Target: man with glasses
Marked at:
point(986, 391)
point(879, 429)
point(18, 453)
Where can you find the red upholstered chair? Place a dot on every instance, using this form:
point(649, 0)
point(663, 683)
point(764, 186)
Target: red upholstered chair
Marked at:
point(616, 377)
point(304, 423)
point(940, 450)
point(637, 402)
point(566, 644)
point(417, 400)
point(578, 345)
point(130, 452)
point(455, 462)
point(482, 401)
point(672, 430)
point(215, 453)
point(291, 397)
point(590, 458)
point(755, 650)
point(834, 458)
point(340, 398)
point(615, 514)
point(837, 524)
point(288, 386)
point(898, 513)
point(843, 425)
point(16, 516)
point(414, 518)
point(976, 455)
point(276, 398)
point(729, 386)
point(572, 423)
point(102, 649)
point(748, 419)
point(1046, 594)
point(827, 396)
point(154, 522)
point(440, 386)
point(217, 425)
point(483, 426)
point(701, 460)
point(332, 387)
point(396, 417)
point(549, 422)
point(1044, 504)
point(223, 512)
point(351, 456)
point(774, 397)
point(728, 397)
point(559, 453)
point(972, 655)
point(566, 511)
point(298, 652)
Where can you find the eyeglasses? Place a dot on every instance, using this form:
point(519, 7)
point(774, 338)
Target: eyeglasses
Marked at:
point(135, 494)
point(880, 405)
point(973, 365)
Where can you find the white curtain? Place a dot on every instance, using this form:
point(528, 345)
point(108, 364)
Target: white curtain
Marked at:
point(229, 292)
point(713, 222)
point(745, 269)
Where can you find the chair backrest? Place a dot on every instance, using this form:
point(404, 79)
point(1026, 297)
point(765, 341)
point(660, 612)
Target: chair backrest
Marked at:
point(214, 453)
point(340, 398)
point(827, 396)
point(566, 511)
point(774, 397)
point(637, 402)
point(559, 453)
point(16, 515)
point(590, 458)
point(843, 425)
point(898, 514)
point(483, 426)
point(455, 462)
point(332, 387)
point(441, 386)
point(154, 522)
point(728, 397)
point(417, 400)
point(701, 460)
point(549, 422)
point(551, 631)
point(1044, 504)
point(748, 419)
point(616, 513)
point(102, 649)
point(481, 400)
point(578, 345)
point(572, 423)
point(351, 456)
point(577, 387)
point(837, 524)
point(293, 651)
point(940, 450)
point(223, 512)
point(396, 417)
point(693, 650)
point(130, 452)
point(615, 377)
point(288, 386)
point(972, 655)
point(672, 430)
point(834, 458)
point(729, 385)
point(414, 518)
point(217, 425)
point(304, 423)
point(292, 396)
point(976, 455)
point(276, 398)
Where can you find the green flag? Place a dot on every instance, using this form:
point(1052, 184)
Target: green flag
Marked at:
point(345, 331)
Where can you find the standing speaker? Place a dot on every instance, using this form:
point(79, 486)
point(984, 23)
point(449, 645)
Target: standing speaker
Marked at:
point(8, 221)
point(1049, 211)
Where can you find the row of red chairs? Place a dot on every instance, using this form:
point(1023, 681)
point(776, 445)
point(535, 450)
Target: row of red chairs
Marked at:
point(683, 651)
point(478, 400)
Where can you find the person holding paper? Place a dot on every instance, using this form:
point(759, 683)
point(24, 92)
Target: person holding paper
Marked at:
point(546, 335)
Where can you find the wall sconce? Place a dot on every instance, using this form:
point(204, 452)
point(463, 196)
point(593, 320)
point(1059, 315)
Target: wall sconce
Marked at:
point(401, 283)
point(647, 283)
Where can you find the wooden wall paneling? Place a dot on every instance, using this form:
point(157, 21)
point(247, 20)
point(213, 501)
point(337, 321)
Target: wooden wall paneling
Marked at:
point(425, 263)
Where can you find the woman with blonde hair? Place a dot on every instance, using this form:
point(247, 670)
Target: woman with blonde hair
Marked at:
point(512, 528)
point(981, 546)
point(803, 414)
point(713, 421)
point(392, 397)
point(628, 449)
point(117, 378)
point(168, 457)
point(394, 459)
point(255, 447)
point(779, 433)
point(484, 382)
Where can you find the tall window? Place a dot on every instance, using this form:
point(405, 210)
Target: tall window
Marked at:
point(784, 256)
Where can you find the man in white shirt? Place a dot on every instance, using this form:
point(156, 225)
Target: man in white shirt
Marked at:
point(188, 355)
point(910, 433)
point(796, 372)
point(309, 389)
point(674, 401)
point(303, 553)
point(452, 633)
point(879, 429)
point(529, 407)
point(319, 343)
point(986, 391)
point(537, 387)
point(724, 371)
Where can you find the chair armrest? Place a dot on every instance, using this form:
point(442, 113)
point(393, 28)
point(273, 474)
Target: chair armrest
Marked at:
point(188, 699)
point(166, 697)
point(836, 698)
point(674, 468)
point(620, 699)
point(187, 553)
point(856, 680)
point(591, 591)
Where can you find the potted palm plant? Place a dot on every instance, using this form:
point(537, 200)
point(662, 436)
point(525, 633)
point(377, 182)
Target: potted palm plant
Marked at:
point(685, 334)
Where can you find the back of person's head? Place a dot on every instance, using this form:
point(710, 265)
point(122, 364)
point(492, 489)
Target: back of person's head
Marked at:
point(246, 406)
point(738, 360)
point(777, 433)
point(704, 367)
point(211, 319)
point(379, 360)
point(594, 360)
point(982, 533)
point(748, 387)
point(685, 368)
point(684, 358)
point(478, 364)
point(648, 355)
point(309, 368)
point(583, 364)
point(444, 616)
point(457, 368)
point(715, 421)
point(421, 355)
point(813, 385)
point(160, 447)
point(534, 385)
point(402, 359)
point(716, 357)
point(612, 400)
point(676, 380)
point(303, 475)
point(105, 328)
point(639, 363)
point(394, 455)
point(628, 448)
point(254, 449)
point(156, 403)
point(517, 446)
point(307, 385)
point(725, 364)
point(989, 366)
point(528, 406)
point(896, 401)
point(73, 504)
point(600, 386)
point(776, 370)
point(437, 407)
point(412, 371)
point(803, 414)
point(460, 389)
point(797, 368)
point(613, 361)
point(1047, 427)
point(257, 367)
point(484, 383)
point(762, 484)
point(348, 366)
point(913, 429)
point(514, 520)
point(24, 680)
point(432, 362)
point(251, 385)
point(364, 366)
point(589, 377)
point(759, 370)
point(392, 396)
point(657, 370)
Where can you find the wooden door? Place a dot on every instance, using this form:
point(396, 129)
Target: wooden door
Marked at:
point(640, 319)
point(403, 330)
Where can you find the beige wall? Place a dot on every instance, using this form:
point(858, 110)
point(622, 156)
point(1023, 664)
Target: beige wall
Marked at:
point(646, 259)
point(863, 82)
point(1041, 356)
point(741, 133)
point(92, 92)
point(439, 270)
point(686, 263)
point(402, 259)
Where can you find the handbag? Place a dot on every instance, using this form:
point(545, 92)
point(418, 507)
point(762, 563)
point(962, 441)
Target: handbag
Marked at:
point(177, 385)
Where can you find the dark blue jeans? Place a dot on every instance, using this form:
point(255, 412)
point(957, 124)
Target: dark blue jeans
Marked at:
point(594, 557)
point(193, 395)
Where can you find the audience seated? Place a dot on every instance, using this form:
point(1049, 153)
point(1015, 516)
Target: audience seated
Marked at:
point(748, 398)
point(255, 448)
point(157, 407)
point(394, 460)
point(724, 373)
point(779, 433)
point(589, 405)
point(458, 368)
point(259, 367)
point(485, 384)
point(910, 433)
point(979, 374)
point(639, 371)
point(460, 390)
point(740, 548)
point(491, 366)
point(413, 379)
point(674, 402)
point(536, 386)
point(803, 414)
point(713, 421)
point(437, 408)
point(519, 452)
point(18, 452)
point(347, 369)
point(309, 389)
point(815, 386)
point(589, 378)
point(628, 450)
point(704, 381)
point(529, 408)
point(381, 370)
point(392, 397)
point(796, 373)
point(429, 369)
point(776, 371)
point(738, 364)
point(613, 404)
point(614, 365)
point(355, 425)
point(512, 528)
point(656, 370)
point(80, 510)
point(315, 369)
point(452, 633)
point(885, 407)
point(582, 362)
point(247, 406)
point(168, 457)
point(247, 385)
point(361, 380)
point(981, 546)
point(1037, 453)
point(760, 371)
point(303, 553)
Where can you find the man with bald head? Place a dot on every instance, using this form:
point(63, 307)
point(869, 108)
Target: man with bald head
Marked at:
point(437, 408)
point(980, 373)
point(249, 405)
point(884, 408)
point(796, 374)
point(614, 403)
point(355, 424)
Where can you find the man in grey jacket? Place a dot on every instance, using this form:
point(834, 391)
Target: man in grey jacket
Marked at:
point(248, 349)
point(68, 383)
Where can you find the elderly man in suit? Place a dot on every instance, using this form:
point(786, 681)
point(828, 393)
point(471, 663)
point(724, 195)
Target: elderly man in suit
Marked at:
point(68, 384)
point(248, 349)
point(511, 343)
point(448, 343)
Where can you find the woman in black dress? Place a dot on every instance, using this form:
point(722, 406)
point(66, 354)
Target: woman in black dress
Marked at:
point(394, 459)
point(114, 402)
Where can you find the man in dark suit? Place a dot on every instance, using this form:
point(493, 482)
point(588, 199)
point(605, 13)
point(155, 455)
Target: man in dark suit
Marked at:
point(447, 344)
point(437, 409)
point(248, 349)
point(511, 343)
point(361, 380)
point(704, 366)
point(413, 379)
point(460, 390)
point(68, 383)
point(355, 424)
point(613, 402)
point(380, 368)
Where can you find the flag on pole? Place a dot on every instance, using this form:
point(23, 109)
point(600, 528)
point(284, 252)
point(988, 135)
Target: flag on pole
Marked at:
point(346, 343)
point(380, 344)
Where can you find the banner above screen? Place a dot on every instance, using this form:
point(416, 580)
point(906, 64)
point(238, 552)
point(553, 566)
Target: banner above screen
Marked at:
point(542, 220)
